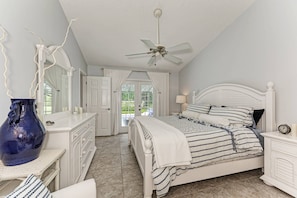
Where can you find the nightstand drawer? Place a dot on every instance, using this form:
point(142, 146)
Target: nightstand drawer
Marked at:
point(284, 147)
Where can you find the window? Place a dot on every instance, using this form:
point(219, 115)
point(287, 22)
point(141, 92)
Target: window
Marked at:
point(48, 99)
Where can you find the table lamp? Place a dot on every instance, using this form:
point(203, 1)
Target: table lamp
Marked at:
point(180, 99)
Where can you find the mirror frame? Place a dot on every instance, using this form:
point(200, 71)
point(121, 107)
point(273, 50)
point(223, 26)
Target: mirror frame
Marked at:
point(43, 54)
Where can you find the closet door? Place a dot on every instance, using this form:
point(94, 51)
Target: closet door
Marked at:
point(99, 101)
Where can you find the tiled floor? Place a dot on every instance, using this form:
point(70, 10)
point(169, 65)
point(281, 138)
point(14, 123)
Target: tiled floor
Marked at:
point(117, 175)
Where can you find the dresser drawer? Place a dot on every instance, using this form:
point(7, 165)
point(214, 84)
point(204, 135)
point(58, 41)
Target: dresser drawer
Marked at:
point(78, 131)
point(284, 147)
point(84, 138)
point(86, 159)
point(87, 144)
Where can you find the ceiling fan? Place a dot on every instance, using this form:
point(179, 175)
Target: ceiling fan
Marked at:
point(160, 50)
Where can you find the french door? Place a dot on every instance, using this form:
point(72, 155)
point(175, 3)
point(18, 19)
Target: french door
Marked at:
point(136, 100)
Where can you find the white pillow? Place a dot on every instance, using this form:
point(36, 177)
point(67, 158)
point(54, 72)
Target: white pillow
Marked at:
point(190, 114)
point(215, 120)
point(30, 187)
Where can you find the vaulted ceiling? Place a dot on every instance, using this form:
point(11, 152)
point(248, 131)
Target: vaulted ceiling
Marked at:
point(108, 30)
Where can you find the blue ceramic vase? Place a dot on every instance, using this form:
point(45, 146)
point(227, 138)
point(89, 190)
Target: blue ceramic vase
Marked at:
point(22, 133)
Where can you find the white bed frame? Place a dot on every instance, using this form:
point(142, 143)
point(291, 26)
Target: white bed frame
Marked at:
point(220, 94)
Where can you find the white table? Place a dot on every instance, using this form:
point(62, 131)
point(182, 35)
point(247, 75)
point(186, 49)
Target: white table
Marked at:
point(48, 160)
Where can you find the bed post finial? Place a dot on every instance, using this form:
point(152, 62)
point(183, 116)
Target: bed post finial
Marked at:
point(270, 107)
point(270, 86)
point(148, 146)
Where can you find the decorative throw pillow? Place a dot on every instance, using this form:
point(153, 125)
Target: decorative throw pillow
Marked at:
point(31, 187)
point(199, 108)
point(258, 114)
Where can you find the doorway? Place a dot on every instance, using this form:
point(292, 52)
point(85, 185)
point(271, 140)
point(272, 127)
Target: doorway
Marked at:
point(136, 100)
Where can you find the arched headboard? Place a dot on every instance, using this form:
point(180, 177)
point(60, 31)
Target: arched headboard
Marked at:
point(240, 95)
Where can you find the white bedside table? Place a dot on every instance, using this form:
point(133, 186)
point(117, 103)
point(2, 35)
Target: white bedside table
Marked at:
point(280, 161)
point(48, 160)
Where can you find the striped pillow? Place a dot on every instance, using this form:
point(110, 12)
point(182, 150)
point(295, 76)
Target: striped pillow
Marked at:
point(199, 108)
point(236, 115)
point(30, 187)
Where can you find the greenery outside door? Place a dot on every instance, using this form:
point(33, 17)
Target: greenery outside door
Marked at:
point(136, 100)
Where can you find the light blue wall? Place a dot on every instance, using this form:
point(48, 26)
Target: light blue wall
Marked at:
point(260, 46)
point(46, 19)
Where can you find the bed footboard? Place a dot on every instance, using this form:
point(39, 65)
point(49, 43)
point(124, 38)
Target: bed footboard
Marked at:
point(142, 149)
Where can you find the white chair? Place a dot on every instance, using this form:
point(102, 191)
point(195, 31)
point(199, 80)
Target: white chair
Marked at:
point(35, 188)
point(82, 189)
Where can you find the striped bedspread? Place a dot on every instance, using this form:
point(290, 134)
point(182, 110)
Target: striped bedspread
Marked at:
point(207, 145)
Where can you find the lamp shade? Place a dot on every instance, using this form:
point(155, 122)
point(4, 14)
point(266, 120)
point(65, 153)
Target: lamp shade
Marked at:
point(180, 99)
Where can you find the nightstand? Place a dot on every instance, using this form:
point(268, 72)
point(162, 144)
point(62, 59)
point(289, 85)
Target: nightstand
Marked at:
point(280, 161)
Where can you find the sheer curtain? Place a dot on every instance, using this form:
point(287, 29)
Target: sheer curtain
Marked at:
point(117, 79)
point(53, 77)
point(160, 83)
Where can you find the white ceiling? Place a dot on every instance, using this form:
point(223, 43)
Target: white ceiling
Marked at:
point(107, 30)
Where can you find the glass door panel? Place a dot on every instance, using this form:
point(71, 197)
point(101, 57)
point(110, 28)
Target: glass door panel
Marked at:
point(127, 103)
point(146, 102)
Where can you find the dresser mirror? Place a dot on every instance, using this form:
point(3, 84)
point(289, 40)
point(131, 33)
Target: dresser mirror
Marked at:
point(54, 91)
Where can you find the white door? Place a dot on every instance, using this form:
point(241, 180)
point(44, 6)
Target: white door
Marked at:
point(99, 101)
point(136, 100)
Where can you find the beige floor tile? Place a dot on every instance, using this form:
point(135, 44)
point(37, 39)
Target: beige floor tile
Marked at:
point(133, 189)
point(106, 162)
point(131, 173)
point(128, 159)
point(110, 191)
point(108, 176)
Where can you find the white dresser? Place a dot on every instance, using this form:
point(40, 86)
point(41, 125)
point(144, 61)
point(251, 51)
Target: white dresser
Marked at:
point(280, 161)
point(76, 134)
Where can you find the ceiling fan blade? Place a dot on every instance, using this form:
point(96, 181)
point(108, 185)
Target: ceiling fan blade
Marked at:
point(180, 47)
point(149, 43)
point(152, 60)
point(138, 54)
point(173, 59)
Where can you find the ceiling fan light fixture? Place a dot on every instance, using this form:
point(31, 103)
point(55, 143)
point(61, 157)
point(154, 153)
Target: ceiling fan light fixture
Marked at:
point(160, 50)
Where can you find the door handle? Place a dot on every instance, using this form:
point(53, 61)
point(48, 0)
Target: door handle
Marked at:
point(107, 109)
